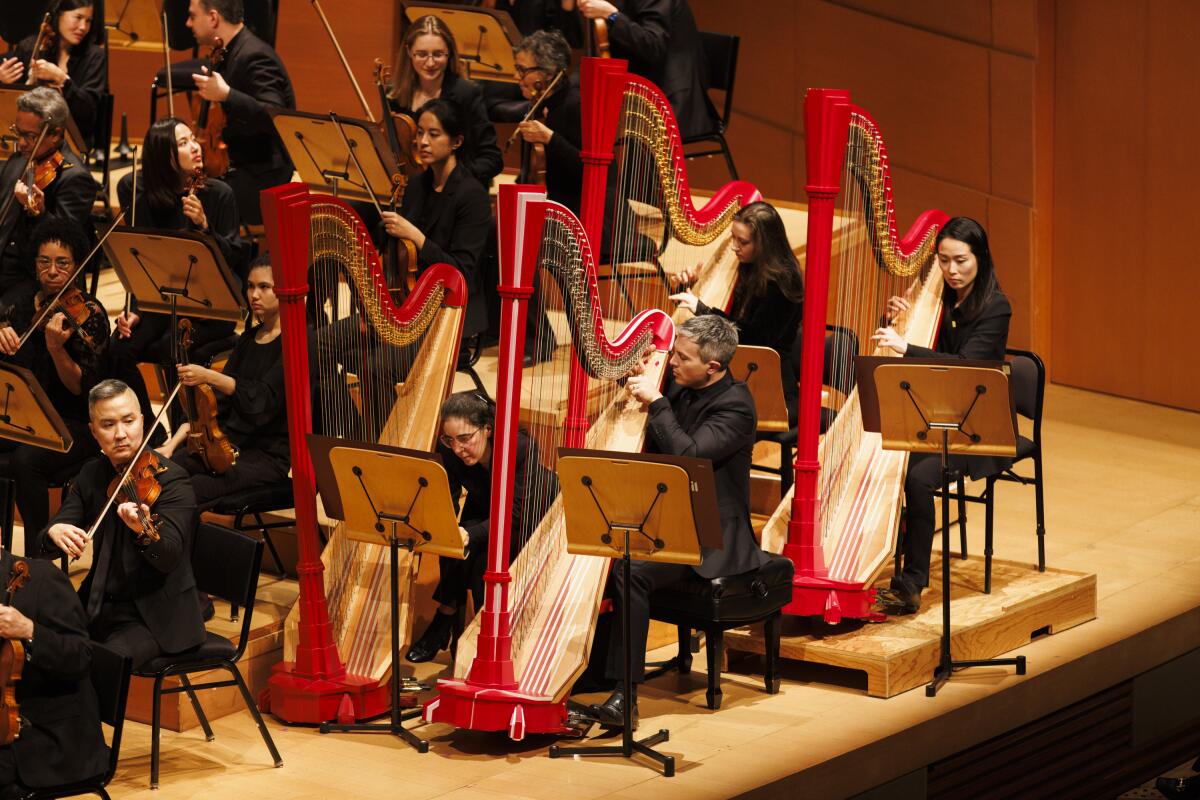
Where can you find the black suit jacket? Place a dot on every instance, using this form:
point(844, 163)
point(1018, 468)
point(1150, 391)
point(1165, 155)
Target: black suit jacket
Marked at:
point(455, 222)
point(61, 739)
point(564, 165)
point(479, 154)
point(718, 423)
point(662, 44)
point(163, 588)
point(258, 81)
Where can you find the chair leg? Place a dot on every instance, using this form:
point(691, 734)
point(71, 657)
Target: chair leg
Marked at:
point(771, 632)
point(208, 733)
point(785, 468)
point(962, 517)
point(100, 790)
point(1041, 511)
point(714, 640)
point(258, 720)
point(683, 661)
point(989, 509)
point(266, 534)
point(155, 729)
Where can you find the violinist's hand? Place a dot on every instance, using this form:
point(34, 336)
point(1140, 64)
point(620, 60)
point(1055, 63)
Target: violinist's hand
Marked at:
point(31, 197)
point(126, 322)
point(57, 331)
point(887, 337)
point(595, 9)
point(193, 210)
point(686, 278)
point(9, 341)
point(11, 70)
point(71, 540)
point(14, 624)
point(48, 71)
point(211, 86)
point(686, 300)
point(194, 374)
point(896, 306)
point(398, 226)
point(128, 512)
point(535, 132)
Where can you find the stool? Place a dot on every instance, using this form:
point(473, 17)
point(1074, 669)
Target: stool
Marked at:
point(717, 605)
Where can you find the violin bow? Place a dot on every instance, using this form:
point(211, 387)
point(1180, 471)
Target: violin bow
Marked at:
point(91, 534)
point(345, 64)
point(167, 66)
point(535, 107)
point(37, 46)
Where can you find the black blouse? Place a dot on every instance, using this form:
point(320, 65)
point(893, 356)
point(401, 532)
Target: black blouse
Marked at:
point(87, 70)
point(983, 338)
point(479, 154)
point(254, 417)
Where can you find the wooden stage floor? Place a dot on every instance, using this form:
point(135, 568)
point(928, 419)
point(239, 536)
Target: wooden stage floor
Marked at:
point(1122, 502)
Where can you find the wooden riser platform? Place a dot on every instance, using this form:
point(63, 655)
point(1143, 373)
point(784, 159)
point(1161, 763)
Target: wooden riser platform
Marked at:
point(902, 653)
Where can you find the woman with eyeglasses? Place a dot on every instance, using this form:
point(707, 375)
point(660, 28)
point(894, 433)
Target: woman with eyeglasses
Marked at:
point(70, 60)
point(427, 69)
point(465, 445)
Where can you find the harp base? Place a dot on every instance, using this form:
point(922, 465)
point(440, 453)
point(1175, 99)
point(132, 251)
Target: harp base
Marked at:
point(481, 708)
point(831, 600)
point(298, 700)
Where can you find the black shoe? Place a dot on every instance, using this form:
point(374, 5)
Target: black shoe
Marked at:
point(899, 598)
point(207, 609)
point(435, 638)
point(611, 713)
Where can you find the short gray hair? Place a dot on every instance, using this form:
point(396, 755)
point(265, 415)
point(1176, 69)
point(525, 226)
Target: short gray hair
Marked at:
point(47, 104)
point(716, 337)
point(106, 389)
point(549, 49)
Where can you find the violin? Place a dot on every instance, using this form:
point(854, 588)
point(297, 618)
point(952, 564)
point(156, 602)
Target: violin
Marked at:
point(75, 308)
point(12, 662)
point(533, 155)
point(41, 174)
point(44, 47)
point(210, 119)
point(139, 485)
point(205, 439)
point(400, 260)
point(595, 33)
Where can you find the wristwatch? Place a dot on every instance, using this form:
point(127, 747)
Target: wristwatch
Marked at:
point(612, 18)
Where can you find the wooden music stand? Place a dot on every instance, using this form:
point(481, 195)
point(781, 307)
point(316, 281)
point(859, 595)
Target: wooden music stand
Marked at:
point(395, 497)
point(758, 367)
point(345, 156)
point(652, 508)
point(8, 117)
point(26, 413)
point(934, 405)
point(486, 38)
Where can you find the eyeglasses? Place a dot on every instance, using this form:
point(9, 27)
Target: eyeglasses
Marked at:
point(523, 71)
point(61, 264)
point(23, 136)
point(425, 55)
point(463, 439)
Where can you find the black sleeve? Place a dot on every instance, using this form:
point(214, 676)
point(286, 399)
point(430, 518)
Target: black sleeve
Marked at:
point(88, 77)
point(220, 208)
point(486, 158)
point(563, 148)
point(644, 31)
point(257, 398)
point(248, 112)
point(61, 646)
point(472, 218)
point(477, 529)
point(986, 341)
point(721, 434)
point(176, 510)
point(73, 199)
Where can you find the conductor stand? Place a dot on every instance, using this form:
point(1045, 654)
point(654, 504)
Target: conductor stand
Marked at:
point(932, 406)
point(622, 502)
point(403, 498)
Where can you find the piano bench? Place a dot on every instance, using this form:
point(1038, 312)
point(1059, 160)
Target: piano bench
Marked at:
point(720, 604)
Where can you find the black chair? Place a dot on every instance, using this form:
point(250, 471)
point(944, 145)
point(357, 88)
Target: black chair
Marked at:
point(1028, 380)
point(110, 679)
point(717, 605)
point(720, 54)
point(255, 502)
point(226, 565)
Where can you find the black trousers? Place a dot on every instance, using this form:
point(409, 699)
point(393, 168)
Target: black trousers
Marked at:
point(253, 468)
point(459, 576)
point(120, 627)
point(924, 478)
point(644, 578)
point(32, 469)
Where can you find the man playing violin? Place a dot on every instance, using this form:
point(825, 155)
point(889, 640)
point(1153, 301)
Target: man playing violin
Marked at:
point(139, 594)
point(249, 80)
point(539, 58)
point(60, 739)
point(67, 353)
point(56, 184)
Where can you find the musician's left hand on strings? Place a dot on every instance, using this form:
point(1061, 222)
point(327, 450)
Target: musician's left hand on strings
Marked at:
point(9, 341)
point(57, 331)
point(897, 305)
point(596, 9)
point(194, 374)
point(30, 197)
point(211, 86)
point(400, 228)
point(50, 72)
point(194, 210)
point(887, 337)
point(535, 132)
point(128, 512)
point(686, 300)
point(14, 624)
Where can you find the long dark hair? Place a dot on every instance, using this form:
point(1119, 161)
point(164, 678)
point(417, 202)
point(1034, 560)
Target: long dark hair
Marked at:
point(404, 78)
point(972, 234)
point(160, 164)
point(774, 261)
point(61, 7)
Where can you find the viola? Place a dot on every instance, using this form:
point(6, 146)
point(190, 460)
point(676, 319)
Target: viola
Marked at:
point(139, 485)
point(205, 439)
point(12, 662)
point(210, 120)
point(77, 311)
point(44, 47)
point(401, 256)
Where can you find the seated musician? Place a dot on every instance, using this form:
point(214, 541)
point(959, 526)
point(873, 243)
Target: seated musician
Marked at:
point(249, 80)
point(427, 69)
point(540, 57)
point(704, 413)
point(974, 325)
point(768, 300)
point(171, 197)
point(57, 185)
point(60, 739)
point(465, 446)
point(662, 44)
point(67, 355)
point(253, 414)
point(139, 595)
point(70, 60)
